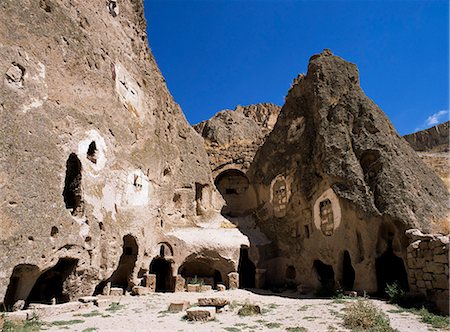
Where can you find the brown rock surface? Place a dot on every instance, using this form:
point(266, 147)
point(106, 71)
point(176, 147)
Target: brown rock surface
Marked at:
point(232, 137)
point(337, 187)
point(434, 139)
point(98, 166)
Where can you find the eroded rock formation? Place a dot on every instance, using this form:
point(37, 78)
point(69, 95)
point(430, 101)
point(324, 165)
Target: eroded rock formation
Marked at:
point(102, 180)
point(432, 145)
point(337, 187)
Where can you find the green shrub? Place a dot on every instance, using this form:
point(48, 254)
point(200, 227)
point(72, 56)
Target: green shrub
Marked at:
point(362, 315)
point(437, 321)
point(394, 292)
point(249, 309)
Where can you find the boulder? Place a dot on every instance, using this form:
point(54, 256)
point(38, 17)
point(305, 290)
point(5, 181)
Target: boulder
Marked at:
point(201, 313)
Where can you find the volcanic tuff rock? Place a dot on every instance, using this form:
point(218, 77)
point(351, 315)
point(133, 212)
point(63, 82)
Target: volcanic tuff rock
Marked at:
point(434, 139)
point(232, 137)
point(330, 134)
point(97, 161)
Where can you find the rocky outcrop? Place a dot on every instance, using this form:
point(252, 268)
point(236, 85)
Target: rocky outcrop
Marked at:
point(337, 187)
point(434, 139)
point(232, 137)
point(98, 167)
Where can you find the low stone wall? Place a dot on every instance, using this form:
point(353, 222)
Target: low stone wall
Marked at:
point(428, 262)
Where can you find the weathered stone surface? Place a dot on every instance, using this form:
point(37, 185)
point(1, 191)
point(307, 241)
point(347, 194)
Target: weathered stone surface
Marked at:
point(193, 288)
point(116, 291)
point(103, 303)
point(221, 288)
point(141, 290)
point(180, 284)
point(233, 280)
point(19, 305)
point(201, 313)
point(96, 158)
point(434, 139)
point(232, 137)
point(213, 302)
point(178, 306)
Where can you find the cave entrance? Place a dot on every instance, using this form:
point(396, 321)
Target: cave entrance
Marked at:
point(164, 276)
point(208, 268)
point(73, 193)
point(51, 285)
point(348, 272)
point(247, 270)
point(232, 185)
point(20, 284)
point(123, 274)
point(325, 274)
point(390, 269)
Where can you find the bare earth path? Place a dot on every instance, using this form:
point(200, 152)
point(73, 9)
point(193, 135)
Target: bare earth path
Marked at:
point(279, 313)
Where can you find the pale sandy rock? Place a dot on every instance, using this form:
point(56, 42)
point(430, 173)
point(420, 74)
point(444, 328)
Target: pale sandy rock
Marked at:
point(201, 313)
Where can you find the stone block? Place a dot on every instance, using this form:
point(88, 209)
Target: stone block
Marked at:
point(141, 290)
point(420, 283)
point(178, 306)
point(440, 281)
point(221, 288)
point(428, 284)
point(150, 281)
point(427, 276)
point(193, 287)
point(18, 316)
point(418, 274)
point(201, 313)
point(439, 251)
point(233, 280)
point(180, 283)
point(217, 302)
point(116, 291)
point(205, 288)
point(107, 289)
point(103, 303)
point(436, 268)
point(441, 259)
point(423, 245)
point(87, 299)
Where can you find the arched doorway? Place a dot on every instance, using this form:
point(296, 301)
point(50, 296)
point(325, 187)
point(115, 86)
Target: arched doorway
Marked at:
point(20, 284)
point(73, 192)
point(233, 185)
point(123, 274)
point(51, 285)
point(162, 268)
point(247, 270)
point(348, 272)
point(390, 269)
point(209, 267)
point(325, 274)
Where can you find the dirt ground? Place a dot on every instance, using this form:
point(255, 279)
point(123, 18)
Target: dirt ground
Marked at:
point(280, 312)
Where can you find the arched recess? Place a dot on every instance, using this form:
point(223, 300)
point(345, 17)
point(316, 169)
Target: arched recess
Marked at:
point(208, 266)
point(325, 274)
point(348, 272)
point(162, 268)
point(20, 284)
point(54, 284)
point(246, 269)
point(234, 186)
point(390, 269)
point(123, 275)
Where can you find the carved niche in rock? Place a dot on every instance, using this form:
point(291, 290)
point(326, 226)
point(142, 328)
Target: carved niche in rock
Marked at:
point(327, 212)
point(279, 195)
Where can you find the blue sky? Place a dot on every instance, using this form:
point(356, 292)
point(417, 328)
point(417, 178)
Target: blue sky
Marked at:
point(216, 54)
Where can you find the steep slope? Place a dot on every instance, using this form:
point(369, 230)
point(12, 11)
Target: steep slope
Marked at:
point(337, 188)
point(99, 169)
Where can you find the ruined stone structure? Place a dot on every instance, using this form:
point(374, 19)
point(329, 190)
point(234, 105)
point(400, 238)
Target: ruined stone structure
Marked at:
point(105, 188)
point(102, 180)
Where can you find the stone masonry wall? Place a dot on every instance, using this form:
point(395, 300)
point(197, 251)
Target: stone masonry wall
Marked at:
point(428, 262)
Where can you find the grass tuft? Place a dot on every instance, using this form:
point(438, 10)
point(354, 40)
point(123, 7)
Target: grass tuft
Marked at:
point(363, 315)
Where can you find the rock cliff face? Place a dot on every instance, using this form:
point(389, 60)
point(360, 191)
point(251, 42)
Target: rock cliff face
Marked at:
point(337, 187)
point(102, 180)
point(232, 137)
point(432, 145)
point(434, 139)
